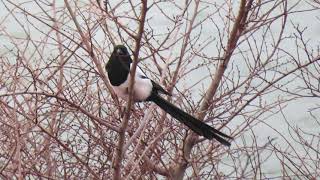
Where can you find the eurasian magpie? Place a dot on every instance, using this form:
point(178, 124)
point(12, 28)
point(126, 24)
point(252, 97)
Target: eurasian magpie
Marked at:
point(145, 89)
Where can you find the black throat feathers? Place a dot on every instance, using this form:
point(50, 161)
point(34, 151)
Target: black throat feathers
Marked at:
point(118, 68)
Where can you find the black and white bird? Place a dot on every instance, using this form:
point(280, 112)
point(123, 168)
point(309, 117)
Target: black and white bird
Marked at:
point(144, 89)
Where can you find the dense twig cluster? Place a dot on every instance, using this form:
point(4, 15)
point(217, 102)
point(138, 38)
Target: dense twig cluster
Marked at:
point(227, 62)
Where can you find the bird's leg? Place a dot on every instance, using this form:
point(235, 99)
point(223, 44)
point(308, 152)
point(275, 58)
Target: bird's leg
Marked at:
point(122, 111)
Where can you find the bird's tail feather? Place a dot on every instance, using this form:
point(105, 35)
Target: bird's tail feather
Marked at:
point(194, 124)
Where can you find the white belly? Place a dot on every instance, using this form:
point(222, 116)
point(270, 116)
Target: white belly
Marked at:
point(142, 89)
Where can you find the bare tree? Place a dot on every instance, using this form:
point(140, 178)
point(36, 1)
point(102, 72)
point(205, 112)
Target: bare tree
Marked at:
point(233, 64)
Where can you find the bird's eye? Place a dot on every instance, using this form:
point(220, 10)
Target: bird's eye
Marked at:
point(120, 52)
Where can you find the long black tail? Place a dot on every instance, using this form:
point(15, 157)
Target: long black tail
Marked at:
point(194, 124)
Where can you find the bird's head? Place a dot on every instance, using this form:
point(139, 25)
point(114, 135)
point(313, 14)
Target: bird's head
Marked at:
point(120, 50)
